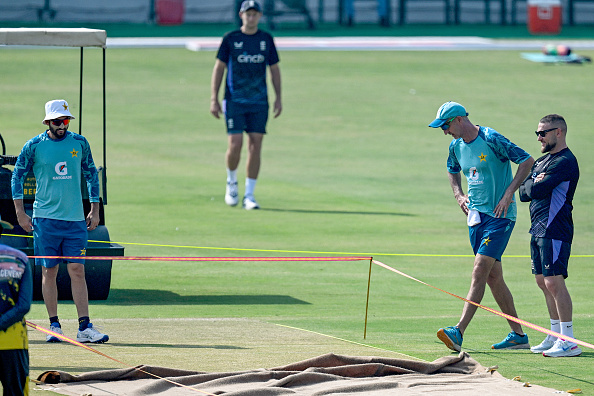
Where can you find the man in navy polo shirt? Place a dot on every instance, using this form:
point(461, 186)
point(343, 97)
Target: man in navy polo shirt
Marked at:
point(245, 53)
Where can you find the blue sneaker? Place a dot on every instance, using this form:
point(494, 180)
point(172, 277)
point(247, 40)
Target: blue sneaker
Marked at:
point(513, 341)
point(451, 337)
point(91, 334)
point(55, 327)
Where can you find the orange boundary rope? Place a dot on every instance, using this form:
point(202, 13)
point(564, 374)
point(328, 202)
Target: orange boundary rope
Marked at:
point(506, 316)
point(348, 258)
point(74, 342)
point(353, 258)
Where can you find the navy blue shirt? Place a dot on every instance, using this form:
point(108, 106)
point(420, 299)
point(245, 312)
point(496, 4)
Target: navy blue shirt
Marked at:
point(551, 198)
point(246, 57)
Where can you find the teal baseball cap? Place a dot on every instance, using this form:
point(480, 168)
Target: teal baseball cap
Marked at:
point(446, 111)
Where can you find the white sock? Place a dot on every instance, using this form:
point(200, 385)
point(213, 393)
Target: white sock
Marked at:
point(556, 327)
point(250, 185)
point(231, 176)
point(567, 329)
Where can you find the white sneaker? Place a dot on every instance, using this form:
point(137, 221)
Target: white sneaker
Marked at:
point(249, 203)
point(563, 348)
point(543, 346)
point(55, 327)
point(90, 334)
point(231, 195)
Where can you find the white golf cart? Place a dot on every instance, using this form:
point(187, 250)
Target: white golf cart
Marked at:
point(98, 272)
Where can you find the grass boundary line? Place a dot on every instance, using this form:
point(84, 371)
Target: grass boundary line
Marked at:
point(345, 340)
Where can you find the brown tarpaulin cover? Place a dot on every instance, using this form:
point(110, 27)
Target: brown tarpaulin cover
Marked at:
point(328, 374)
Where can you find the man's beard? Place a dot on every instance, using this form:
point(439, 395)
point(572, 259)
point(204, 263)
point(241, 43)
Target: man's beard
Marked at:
point(57, 132)
point(548, 147)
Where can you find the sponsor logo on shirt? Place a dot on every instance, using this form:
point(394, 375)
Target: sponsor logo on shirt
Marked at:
point(62, 171)
point(238, 45)
point(474, 176)
point(10, 270)
point(245, 58)
point(14, 274)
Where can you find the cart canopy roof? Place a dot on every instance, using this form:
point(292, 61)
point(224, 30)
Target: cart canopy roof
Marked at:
point(64, 37)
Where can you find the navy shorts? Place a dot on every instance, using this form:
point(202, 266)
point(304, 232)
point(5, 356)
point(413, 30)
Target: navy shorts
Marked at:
point(490, 236)
point(59, 238)
point(248, 118)
point(549, 257)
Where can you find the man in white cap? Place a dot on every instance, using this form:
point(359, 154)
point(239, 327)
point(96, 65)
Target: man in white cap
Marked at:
point(484, 156)
point(245, 53)
point(58, 159)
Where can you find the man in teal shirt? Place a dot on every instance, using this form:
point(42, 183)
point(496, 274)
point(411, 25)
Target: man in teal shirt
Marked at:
point(58, 158)
point(484, 156)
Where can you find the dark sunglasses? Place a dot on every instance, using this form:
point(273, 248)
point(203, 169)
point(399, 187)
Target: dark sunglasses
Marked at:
point(544, 133)
point(446, 125)
point(65, 121)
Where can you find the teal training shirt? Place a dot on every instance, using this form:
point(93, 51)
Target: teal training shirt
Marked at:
point(58, 166)
point(486, 164)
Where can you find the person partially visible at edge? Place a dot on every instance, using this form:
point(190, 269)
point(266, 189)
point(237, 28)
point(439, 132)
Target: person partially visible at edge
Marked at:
point(58, 158)
point(245, 53)
point(16, 294)
point(550, 188)
point(484, 156)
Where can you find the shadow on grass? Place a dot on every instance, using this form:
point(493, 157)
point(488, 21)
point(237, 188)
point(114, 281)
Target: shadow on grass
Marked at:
point(348, 212)
point(164, 297)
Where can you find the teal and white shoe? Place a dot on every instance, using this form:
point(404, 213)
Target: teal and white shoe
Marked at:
point(451, 337)
point(513, 341)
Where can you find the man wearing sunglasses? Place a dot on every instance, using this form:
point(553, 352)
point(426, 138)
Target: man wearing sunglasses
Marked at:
point(550, 189)
point(484, 156)
point(58, 159)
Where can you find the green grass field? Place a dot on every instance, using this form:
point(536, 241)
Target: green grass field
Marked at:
point(349, 167)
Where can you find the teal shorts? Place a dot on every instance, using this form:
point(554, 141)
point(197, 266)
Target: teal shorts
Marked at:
point(490, 236)
point(59, 238)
